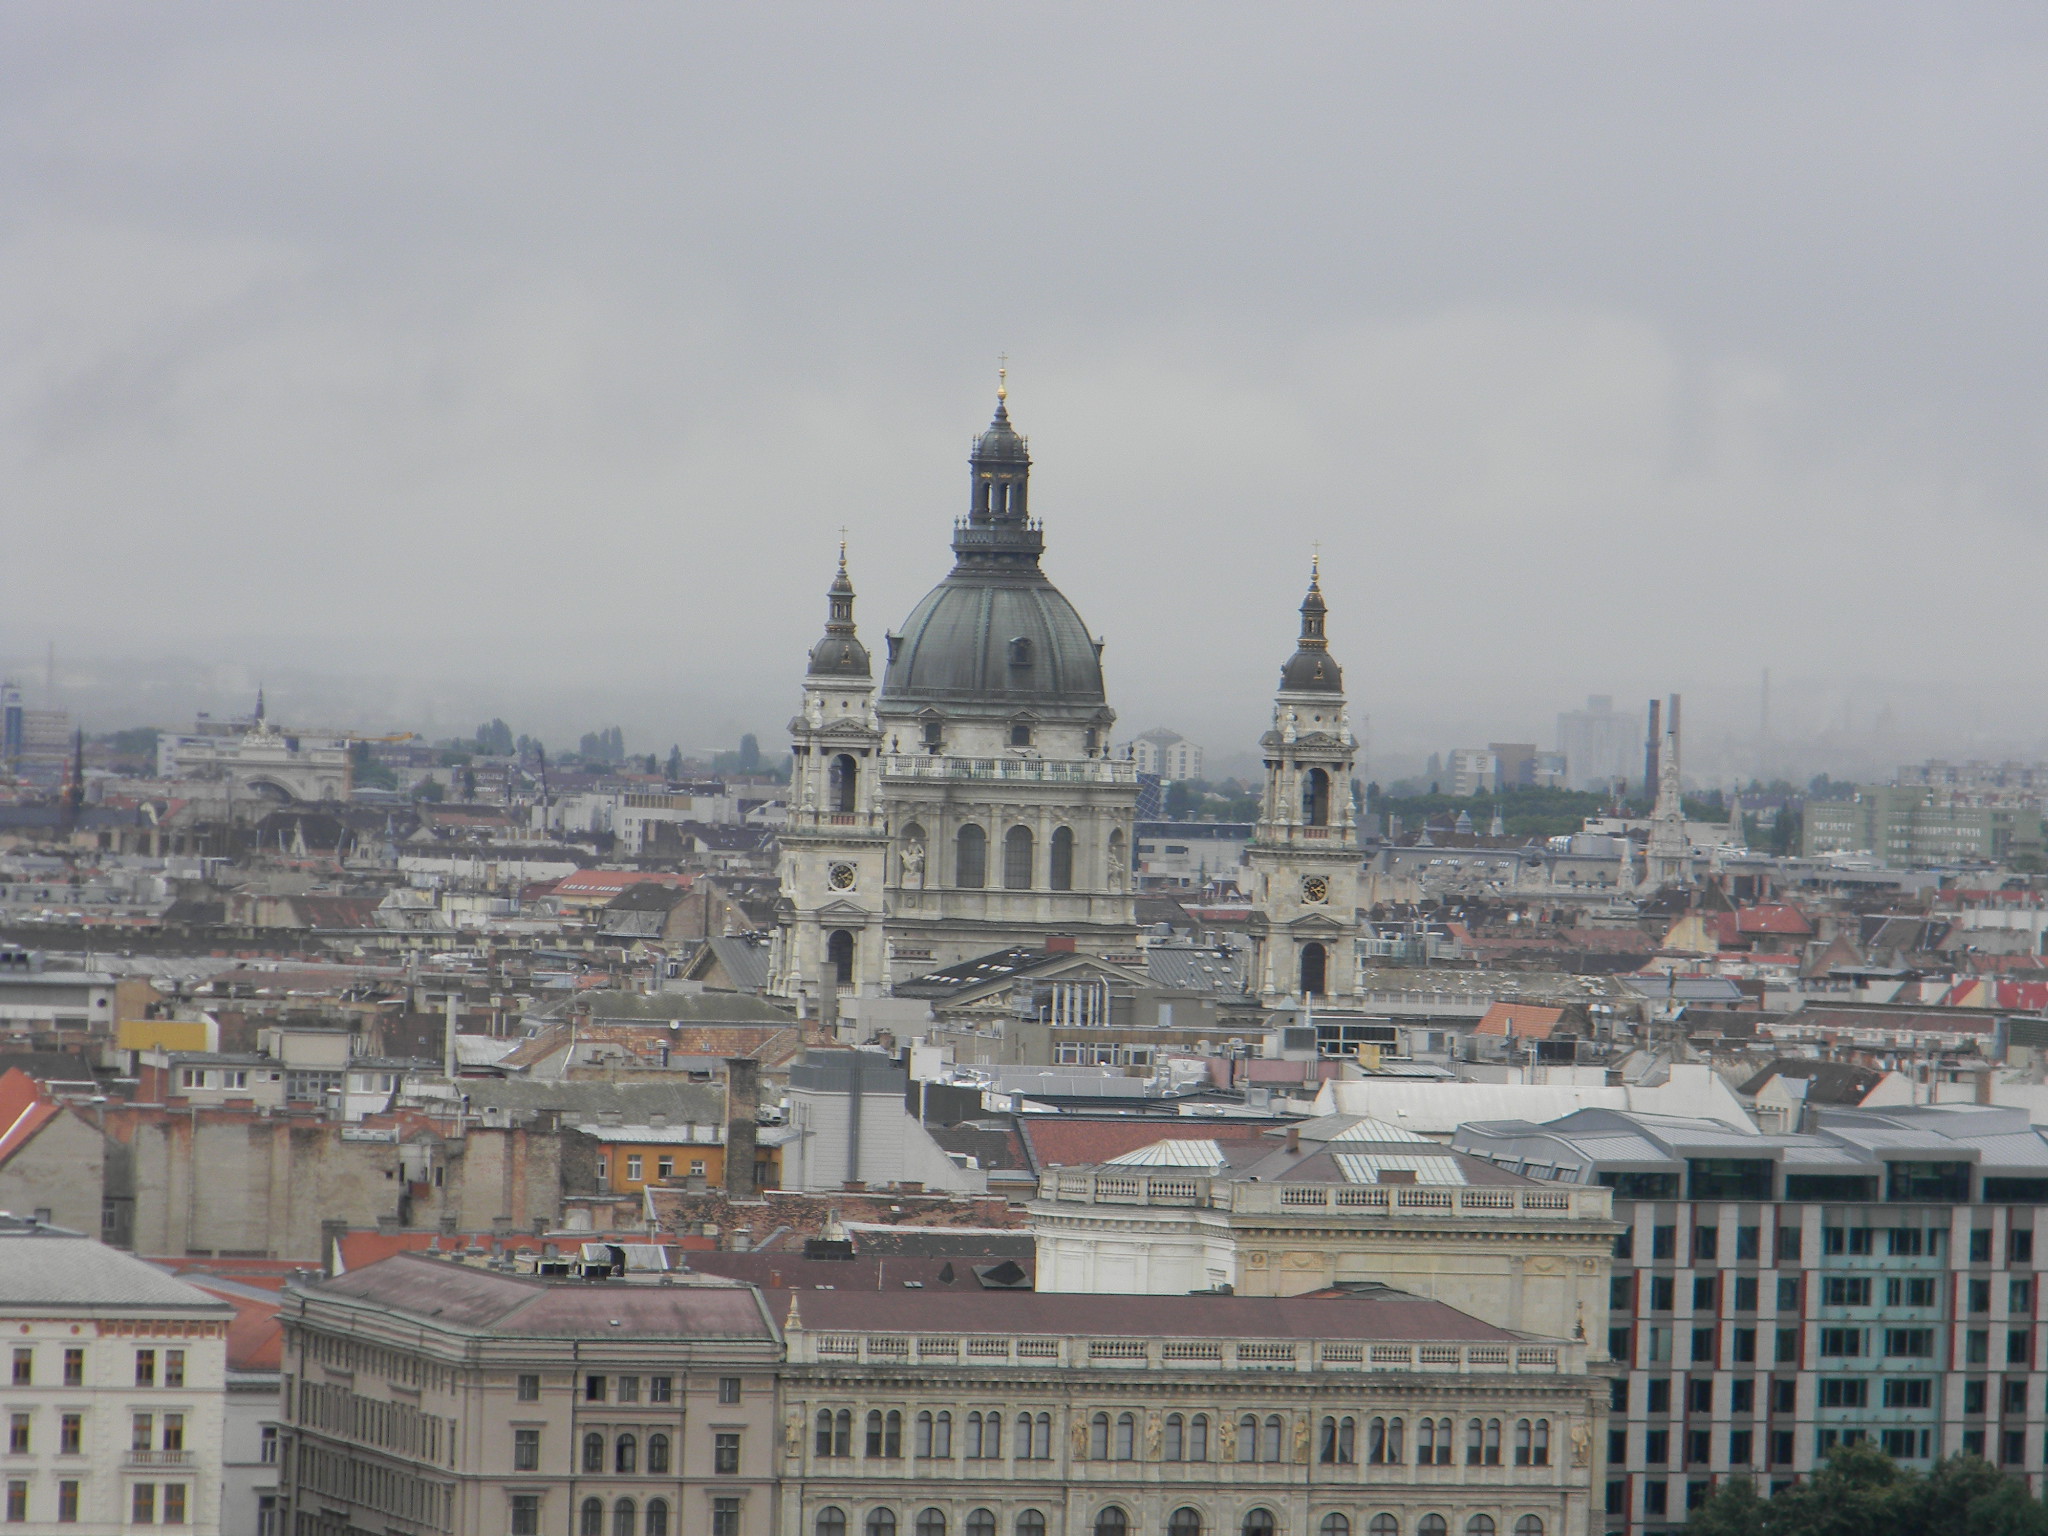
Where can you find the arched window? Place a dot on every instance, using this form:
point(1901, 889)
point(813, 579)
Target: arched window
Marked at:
point(892, 1434)
point(1479, 1525)
point(656, 1523)
point(592, 1521)
point(1185, 1521)
point(1017, 859)
point(973, 1436)
point(1541, 1457)
point(1247, 1438)
point(1425, 1443)
point(1061, 875)
point(1475, 1442)
point(1041, 1438)
point(1030, 1522)
point(981, 1522)
point(1431, 1525)
point(593, 1452)
point(1126, 1436)
point(1269, 1447)
point(1347, 1441)
point(626, 1455)
point(842, 1433)
point(845, 782)
point(992, 1436)
point(1335, 1525)
point(930, 1522)
point(1397, 1449)
point(657, 1460)
point(1112, 1522)
point(1443, 1446)
point(822, 1441)
point(1493, 1442)
point(1315, 965)
point(1176, 1437)
point(1524, 1442)
point(1376, 1443)
point(1529, 1525)
point(1257, 1522)
point(942, 1436)
point(1198, 1437)
point(970, 858)
point(839, 953)
point(1315, 798)
point(1098, 1437)
point(625, 1520)
point(874, 1446)
point(1020, 1445)
point(831, 1521)
point(923, 1443)
point(1383, 1525)
point(882, 1522)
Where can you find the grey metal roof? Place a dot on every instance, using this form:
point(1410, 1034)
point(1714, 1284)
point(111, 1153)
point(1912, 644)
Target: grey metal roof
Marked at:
point(39, 1271)
point(1186, 967)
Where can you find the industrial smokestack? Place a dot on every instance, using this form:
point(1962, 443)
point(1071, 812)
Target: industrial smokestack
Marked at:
point(1651, 746)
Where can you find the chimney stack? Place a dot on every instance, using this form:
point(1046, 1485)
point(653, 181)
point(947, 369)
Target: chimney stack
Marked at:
point(742, 1098)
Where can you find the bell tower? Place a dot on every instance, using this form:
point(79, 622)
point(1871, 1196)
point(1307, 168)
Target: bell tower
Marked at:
point(1304, 852)
point(835, 845)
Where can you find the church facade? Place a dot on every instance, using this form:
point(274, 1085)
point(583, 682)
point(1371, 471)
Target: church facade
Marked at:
point(969, 801)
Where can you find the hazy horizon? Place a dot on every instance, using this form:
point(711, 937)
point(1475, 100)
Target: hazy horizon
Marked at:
point(434, 365)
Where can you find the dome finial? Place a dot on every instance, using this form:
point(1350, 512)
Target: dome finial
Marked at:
point(1002, 375)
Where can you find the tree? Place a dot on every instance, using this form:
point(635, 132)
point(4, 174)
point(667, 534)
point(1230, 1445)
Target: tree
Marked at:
point(1943, 1499)
point(2007, 1510)
point(675, 763)
point(750, 753)
point(494, 739)
point(1733, 1509)
point(1181, 799)
point(430, 790)
point(366, 772)
point(1856, 1491)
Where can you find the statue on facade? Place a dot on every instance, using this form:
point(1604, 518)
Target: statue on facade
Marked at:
point(1582, 1443)
point(793, 1435)
point(1152, 1437)
point(1077, 1437)
point(913, 864)
point(1301, 1441)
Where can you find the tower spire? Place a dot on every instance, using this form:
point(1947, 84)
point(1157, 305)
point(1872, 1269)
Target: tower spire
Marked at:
point(840, 652)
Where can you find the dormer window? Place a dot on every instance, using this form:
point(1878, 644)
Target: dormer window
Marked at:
point(934, 732)
point(1020, 733)
point(1020, 652)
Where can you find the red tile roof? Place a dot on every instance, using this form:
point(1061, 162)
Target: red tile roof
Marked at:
point(1774, 917)
point(1062, 1141)
point(23, 1111)
point(1520, 1021)
point(255, 1337)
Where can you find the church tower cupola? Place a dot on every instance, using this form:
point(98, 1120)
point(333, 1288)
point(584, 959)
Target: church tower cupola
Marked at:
point(1310, 669)
point(998, 530)
point(840, 653)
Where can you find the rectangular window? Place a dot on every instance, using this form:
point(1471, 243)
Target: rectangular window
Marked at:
point(2019, 1346)
point(1617, 1448)
point(1702, 1344)
point(1657, 1446)
point(2019, 1247)
point(1903, 1442)
point(1654, 1496)
point(593, 1389)
point(1657, 1346)
point(1696, 1491)
point(1625, 1243)
point(1787, 1346)
point(2012, 1397)
point(1840, 1342)
point(1788, 1296)
point(525, 1514)
point(145, 1367)
point(1789, 1244)
point(142, 1504)
point(174, 1432)
point(1784, 1395)
point(71, 1434)
point(632, 1167)
point(2012, 1447)
point(1979, 1296)
point(1621, 1293)
point(174, 1503)
point(1781, 1447)
point(2019, 1297)
point(1749, 1242)
point(1617, 1494)
point(142, 1432)
point(1617, 1343)
point(268, 1451)
point(1980, 1245)
point(1844, 1392)
point(1699, 1395)
point(1664, 1242)
point(725, 1517)
point(1742, 1343)
point(529, 1389)
point(1660, 1395)
point(525, 1450)
point(1617, 1395)
point(174, 1368)
point(67, 1502)
point(24, 1367)
point(1745, 1293)
point(1917, 1292)
point(17, 1434)
point(1909, 1343)
point(266, 1515)
point(1911, 1392)
point(665, 1168)
point(1663, 1293)
point(74, 1367)
point(1699, 1447)
point(17, 1500)
point(1973, 1395)
point(1703, 1293)
point(629, 1389)
point(1742, 1395)
point(661, 1389)
point(1706, 1243)
point(1739, 1447)
point(1845, 1291)
point(1977, 1346)
point(696, 1165)
point(725, 1453)
point(728, 1389)
point(1863, 1240)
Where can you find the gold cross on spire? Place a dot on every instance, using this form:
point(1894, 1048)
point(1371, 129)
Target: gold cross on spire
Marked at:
point(842, 546)
point(1002, 375)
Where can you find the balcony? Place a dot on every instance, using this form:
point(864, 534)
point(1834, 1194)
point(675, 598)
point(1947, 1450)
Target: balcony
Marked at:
point(1016, 770)
point(147, 1458)
point(1381, 1201)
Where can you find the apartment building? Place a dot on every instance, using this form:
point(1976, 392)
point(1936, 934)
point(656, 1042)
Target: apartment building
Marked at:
point(1774, 1296)
point(1375, 1413)
point(115, 1389)
point(423, 1394)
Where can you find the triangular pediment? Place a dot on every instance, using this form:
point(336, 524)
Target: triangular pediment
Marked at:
point(840, 910)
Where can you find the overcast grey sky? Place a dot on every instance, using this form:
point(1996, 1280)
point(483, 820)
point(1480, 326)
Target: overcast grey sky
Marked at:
point(486, 359)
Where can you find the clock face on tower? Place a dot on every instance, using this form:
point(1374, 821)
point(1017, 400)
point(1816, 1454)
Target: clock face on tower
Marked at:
point(842, 877)
point(1315, 888)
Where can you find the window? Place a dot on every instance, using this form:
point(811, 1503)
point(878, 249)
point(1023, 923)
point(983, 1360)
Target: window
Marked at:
point(1706, 1242)
point(1699, 1447)
point(1664, 1242)
point(664, 1168)
point(1788, 1295)
point(1098, 1438)
point(1663, 1293)
point(970, 858)
point(626, 1454)
point(1787, 1346)
point(1745, 1293)
point(1739, 1447)
point(1338, 1440)
point(728, 1389)
point(1703, 1289)
point(1334, 1525)
point(2019, 1247)
point(1973, 1395)
point(1845, 1291)
point(657, 1457)
point(2019, 1346)
point(2012, 1447)
point(1918, 1392)
point(1749, 1242)
point(593, 1452)
point(1655, 1495)
point(141, 1502)
point(656, 1523)
point(2012, 1397)
point(590, 1519)
point(1977, 1346)
point(17, 1500)
point(725, 1447)
point(921, 1442)
point(1270, 1442)
point(1909, 1293)
point(529, 1389)
point(1703, 1344)
point(930, 1522)
point(145, 1368)
point(593, 1389)
point(1980, 1245)
point(632, 1172)
point(74, 1367)
point(1529, 1525)
point(981, 1522)
point(1175, 1446)
point(835, 1433)
point(1257, 1522)
point(17, 1434)
point(1657, 1446)
point(1742, 1342)
point(1789, 1242)
point(1126, 1436)
point(881, 1522)
point(1844, 1392)
point(661, 1389)
point(1841, 1342)
point(67, 1508)
point(1030, 1523)
point(1060, 876)
point(2019, 1297)
point(1017, 859)
point(831, 1521)
point(1431, 1525)
point(1742, 1395)
point(1781, 1447)
point(1909, 1342)
point(725, 1517)
point(142, 1431)
point(1112, 1522)
point(174, 1503)
point(174, 1368)
point(71, 1437)
point(1479, 1525)
point(525, 1450)
point(1383, 1525)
